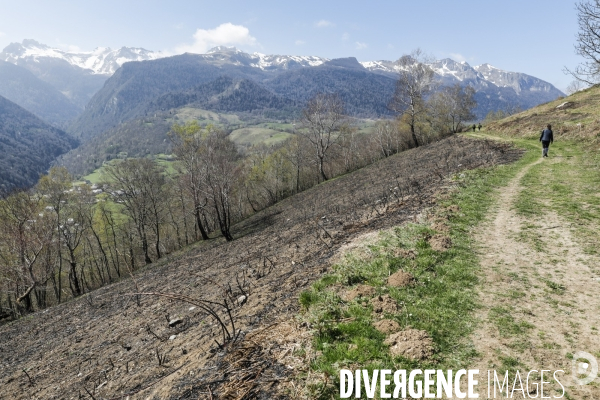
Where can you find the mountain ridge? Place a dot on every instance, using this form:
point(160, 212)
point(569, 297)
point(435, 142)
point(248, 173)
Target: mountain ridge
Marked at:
point(28, 146)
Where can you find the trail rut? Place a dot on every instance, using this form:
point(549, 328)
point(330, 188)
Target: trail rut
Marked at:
point(540, 296)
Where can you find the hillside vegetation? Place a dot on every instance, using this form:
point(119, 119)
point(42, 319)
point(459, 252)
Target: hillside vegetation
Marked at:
point(110, 343)
point(20, 86)
point(28, 146)
point(576, 117)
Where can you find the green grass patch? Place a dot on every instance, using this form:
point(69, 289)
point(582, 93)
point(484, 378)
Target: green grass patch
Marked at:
point(252, 136)
point(441, 302)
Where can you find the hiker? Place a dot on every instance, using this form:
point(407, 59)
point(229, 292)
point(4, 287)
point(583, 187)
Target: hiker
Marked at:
point(546, 138)
point(474, 126)
point(480, 126)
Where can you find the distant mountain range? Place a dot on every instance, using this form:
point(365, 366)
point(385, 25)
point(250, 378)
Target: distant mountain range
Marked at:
point(42, 99)
point(92, 93)
point(77, 75)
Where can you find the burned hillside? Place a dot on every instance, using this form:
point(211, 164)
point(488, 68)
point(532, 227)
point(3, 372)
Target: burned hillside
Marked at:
point(113, 344)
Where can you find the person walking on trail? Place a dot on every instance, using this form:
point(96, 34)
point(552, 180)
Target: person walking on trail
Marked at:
point(546, 138)
point(474, 126)
point(479, 126)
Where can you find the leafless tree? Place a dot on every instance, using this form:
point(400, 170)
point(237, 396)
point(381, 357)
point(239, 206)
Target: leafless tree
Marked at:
point(588, 42)
point(54, 188)
point(138, 184)
point(388, 137)
point(416, 81)
point(322, 121)
point(451, 107)
point(26, 235)
point(221, 172)
point(189, 145)
point(575, 86)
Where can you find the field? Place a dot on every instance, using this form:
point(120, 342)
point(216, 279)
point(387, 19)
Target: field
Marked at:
point(252, 136)
point(96, 177)
point(112, 343)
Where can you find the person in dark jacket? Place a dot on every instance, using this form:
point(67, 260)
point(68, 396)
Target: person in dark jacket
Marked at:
point(546, 138)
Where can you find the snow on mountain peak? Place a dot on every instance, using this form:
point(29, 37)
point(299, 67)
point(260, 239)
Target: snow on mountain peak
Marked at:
point(101, 61)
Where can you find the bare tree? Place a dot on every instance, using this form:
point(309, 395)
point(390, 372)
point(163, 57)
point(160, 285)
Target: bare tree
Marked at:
point(388, 137)
point(54, 188)
point(416, 81)
point(452, 106)
point(138, 184)
point(588, 42)
point(322, 122)
point(189, 145)
point(221, 172)
point(26, 235)
point(575, 86)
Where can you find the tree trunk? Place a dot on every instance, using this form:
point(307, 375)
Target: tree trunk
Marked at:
point(414, 135)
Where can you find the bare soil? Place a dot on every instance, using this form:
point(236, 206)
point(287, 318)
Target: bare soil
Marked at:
point(384, 304)
point(440, 242)
point(387, 326)
point(110, 344)
point(540, 297)
point(400, 279)
point(360, 291)
point(410, 343)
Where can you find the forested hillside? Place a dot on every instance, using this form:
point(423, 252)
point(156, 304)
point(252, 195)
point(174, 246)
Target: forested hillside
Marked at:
point(137, 89)
point(229, 95)
point(127, 94)
point(28, 146)
point(20, 86)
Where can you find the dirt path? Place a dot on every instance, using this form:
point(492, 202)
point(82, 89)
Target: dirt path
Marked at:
point(540, 297)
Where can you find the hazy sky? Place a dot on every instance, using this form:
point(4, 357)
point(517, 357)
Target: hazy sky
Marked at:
point(531, 36)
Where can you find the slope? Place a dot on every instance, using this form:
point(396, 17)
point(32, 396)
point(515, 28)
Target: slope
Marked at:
point(27, 146)
point(127, 94)
point(109, 345)
point(227, 95)
point(573, 117)
point(36, 96)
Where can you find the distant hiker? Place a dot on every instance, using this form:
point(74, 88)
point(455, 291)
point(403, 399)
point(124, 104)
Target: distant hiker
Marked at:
point(480, 126)
point(546, 138)
point(474, 126)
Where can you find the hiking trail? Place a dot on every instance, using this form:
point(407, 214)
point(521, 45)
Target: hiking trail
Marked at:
point(538, 292)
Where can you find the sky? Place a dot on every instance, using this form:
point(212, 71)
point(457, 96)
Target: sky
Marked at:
point(535, 37)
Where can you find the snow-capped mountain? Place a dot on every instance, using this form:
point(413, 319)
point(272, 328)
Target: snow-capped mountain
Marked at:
point(231, 55)
point(102, 61)
point(481, 77)
point(77, 75)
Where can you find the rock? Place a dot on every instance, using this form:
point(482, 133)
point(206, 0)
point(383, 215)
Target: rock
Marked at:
point(384, 304)
point(360, 291)
point(387, 326)
point(192, 308)
point(242, 299)
point(565, 105)
point(400, 279)
point(175, 322)
point(172, 337)
point(410, 343)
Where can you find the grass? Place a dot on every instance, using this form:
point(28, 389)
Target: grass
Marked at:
point(252, 136)
point(569, 188)
point(164, 160)
point(442, 302)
